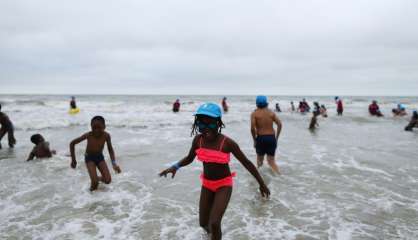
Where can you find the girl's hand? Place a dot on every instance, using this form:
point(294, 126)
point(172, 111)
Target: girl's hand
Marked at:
point(73, 163)
point(265, 192)
point(116, 168)
point(167, 171)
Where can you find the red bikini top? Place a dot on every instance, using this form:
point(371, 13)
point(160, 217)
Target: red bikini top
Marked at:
point(212, 156)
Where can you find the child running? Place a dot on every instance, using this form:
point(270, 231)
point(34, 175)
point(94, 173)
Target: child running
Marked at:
point(41, 149)
point(214, 149)
point(96, 140)
point(6, 127)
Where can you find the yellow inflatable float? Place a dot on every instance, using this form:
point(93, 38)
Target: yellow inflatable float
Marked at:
point(73, 111)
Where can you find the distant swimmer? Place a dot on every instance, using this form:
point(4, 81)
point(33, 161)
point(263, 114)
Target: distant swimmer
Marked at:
point(340, 108)
point(6, 127)
point(400, 110)
point(374, 109)
point(214, 150)
point(265, 139)
point(224, 105)
point(176, 105)
point(323, 111)
point(292, 106)
point(96, 139)
point(41, 149)
point(278, 108)
point(413, 123)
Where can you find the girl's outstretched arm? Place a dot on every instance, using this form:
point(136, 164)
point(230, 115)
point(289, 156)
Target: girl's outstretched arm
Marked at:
point(72, 146)
point(235, 149)
point(184, 162)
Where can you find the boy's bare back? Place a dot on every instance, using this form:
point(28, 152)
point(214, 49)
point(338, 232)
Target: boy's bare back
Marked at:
point(262, 120)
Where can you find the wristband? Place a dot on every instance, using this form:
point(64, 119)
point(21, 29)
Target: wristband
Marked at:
point(113, 162)
point(176, 166)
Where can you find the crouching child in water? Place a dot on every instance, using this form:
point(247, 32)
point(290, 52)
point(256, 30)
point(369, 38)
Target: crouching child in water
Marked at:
point(213, 149)
point(413, 123)
point(94, 158)
point(6, 127)
point(41, 149)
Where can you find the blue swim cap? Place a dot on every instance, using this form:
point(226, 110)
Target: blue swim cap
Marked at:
point(209, 109)
point(261, 101)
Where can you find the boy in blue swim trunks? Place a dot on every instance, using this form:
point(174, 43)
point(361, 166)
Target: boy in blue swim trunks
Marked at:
point(265, 139)
point(94, 158)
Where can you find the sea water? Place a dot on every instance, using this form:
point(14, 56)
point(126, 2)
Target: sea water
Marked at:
point(355, 177)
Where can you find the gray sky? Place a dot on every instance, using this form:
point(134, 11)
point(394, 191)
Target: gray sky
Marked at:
point(304, 47)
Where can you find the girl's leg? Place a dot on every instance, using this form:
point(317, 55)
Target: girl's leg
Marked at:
point(220, 203)
point(205, 205)
point(104, 171)
point(91, 168)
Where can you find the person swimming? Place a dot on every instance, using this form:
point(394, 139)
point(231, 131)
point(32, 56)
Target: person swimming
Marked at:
point(213, 149)
point(374, 109)
point(400, 110)
point(41, 149)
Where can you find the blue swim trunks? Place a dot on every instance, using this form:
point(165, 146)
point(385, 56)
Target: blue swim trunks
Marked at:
point(265, 144)
point(96, 158)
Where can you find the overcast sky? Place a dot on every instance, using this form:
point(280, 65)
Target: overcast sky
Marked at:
point(293, 47)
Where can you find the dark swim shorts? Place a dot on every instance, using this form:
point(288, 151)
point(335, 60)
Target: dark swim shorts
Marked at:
point(96, 158)
point(265, 144)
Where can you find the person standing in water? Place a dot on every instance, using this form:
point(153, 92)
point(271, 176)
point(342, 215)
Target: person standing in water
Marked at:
point(176, 105)
point(224, 105)
point(265, 139)
point(278, 108)
point(214, 150)
point(73, 104)
point(6, 127)
point(340, 108)
point(292, 106)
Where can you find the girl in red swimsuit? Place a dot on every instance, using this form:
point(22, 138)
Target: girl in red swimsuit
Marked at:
point(213, 149)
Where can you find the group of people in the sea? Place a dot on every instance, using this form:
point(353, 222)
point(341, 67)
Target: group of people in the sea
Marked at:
point(209, 145)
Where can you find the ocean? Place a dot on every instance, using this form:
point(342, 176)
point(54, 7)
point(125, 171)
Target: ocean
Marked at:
point(355, 177)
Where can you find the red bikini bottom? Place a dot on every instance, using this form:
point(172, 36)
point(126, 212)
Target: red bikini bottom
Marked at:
point(214, 185)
